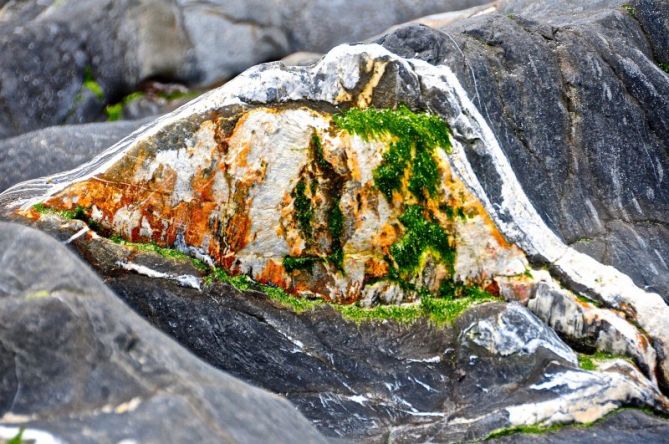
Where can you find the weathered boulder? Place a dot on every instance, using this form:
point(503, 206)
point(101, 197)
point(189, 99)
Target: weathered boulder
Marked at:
point(77, 365)
point(62, 62)
point(357, 200)
point(56, 149)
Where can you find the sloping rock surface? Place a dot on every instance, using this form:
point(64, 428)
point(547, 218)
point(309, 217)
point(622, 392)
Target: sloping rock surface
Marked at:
point(575, 95)
point(622, 427)
point(77, 364)
point(56, 149)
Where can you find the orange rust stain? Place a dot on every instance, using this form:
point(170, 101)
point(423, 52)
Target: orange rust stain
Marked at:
point(385, 237)
point(273, 273)
point(376, 268)
point(237, 231)
point(492, 288)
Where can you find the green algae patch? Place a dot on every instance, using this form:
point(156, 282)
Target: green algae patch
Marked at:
point(114, 111)
point(91, 84)
point(444, 311)
point(421, 235)
point(18, 438)
point(297, 305)
point(415, 137)
point(169, 253)
point(403, 314)
point(77, 213)
point(589, 362)
point(303, 209)
point(292, 263)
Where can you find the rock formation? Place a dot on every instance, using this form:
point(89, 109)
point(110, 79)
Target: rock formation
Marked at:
point(420, 178)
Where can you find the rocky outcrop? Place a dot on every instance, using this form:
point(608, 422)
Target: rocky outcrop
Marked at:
point(79, 366)
point(56, 149)
point(374, 177)
point(368, 380)
point(351, 208)
point(62, 62)
point(575, 94)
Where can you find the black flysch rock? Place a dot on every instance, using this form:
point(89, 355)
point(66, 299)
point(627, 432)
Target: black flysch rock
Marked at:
point(76, 362)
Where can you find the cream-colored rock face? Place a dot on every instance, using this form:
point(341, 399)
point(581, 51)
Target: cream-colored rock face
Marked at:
point(263, 192)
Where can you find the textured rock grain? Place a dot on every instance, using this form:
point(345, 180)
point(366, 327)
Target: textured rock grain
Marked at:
point(80, 366)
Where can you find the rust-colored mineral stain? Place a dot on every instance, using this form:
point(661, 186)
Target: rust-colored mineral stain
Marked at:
point(274, 273)
point(376, 268)
point(385, 237)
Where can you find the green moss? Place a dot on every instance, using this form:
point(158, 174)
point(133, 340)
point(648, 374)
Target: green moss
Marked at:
point(336, 227)
point(532, 429)
point(177, 95)
point(77, 213)
point(402, 123)
point(303, 210)
point(115, 111)
point(631, 10)
point(415, 135)
point(91, 85)
point(420, 235)
point(388, 175)
point(298, 305)
point(18, 439)
point(292, 263)
point(424, 173)
point(445, 311)
point(664, 67)
point(398, 313)
point(586, 362)
point(317, 149)
point(169, 253)
point(589, 362)
point(588, 300)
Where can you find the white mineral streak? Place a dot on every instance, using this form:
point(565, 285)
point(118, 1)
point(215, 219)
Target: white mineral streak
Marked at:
point(332, 80)
point(184, 162)
point(185, 280)
point(560, 309)
point(289, 131)
point(510, 335)
point(585, 396)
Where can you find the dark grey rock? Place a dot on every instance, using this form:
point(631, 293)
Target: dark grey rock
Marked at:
point(52, 150)
point(78, 364)
point(574, 94)
point(371, 381)
point(46, 47)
